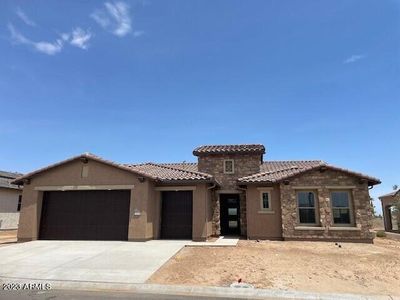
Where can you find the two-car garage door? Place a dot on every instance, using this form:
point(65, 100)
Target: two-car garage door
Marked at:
point(85, 215)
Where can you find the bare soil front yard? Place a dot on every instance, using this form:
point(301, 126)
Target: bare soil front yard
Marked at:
point(304, 266)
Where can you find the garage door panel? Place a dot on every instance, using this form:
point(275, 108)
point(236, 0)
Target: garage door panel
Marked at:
point(85, 215)
point(177, 215)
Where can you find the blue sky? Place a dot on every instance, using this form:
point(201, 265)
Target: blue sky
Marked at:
point(149, 80)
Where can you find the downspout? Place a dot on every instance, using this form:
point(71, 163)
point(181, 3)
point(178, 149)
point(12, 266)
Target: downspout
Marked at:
point(206, 207)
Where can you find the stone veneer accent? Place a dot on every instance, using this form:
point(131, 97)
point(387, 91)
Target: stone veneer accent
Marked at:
point(321, 181)
point(245, 164)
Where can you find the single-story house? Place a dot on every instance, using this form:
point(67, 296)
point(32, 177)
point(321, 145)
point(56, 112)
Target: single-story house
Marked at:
point(391, 217)
point(10, 201)
point(231, 190)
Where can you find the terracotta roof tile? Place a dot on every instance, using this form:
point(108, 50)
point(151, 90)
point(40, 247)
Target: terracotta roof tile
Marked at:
point(275, 171)
point(270, 171)
point(170, 172)
point(229, 149)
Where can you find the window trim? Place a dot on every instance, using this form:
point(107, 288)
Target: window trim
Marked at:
point(262, 209)
point(233, 166)
point(316, 209)
point(351, 209)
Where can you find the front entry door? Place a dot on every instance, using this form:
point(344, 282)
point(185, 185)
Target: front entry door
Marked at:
point(230, 214)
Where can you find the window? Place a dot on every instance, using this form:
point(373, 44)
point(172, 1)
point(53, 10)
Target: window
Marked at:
point(341, 209)
point(265, 201)
point(19, 203)
point(229, 167)
point(307, 207)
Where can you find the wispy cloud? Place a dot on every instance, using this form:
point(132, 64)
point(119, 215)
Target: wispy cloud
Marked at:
point(80, 38)
point(114, 17)
point(24, 17)
point(138, 33)
point(49, 48)
point(354, 58)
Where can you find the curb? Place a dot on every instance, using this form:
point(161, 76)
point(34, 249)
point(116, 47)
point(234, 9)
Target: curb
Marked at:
point(204, 291)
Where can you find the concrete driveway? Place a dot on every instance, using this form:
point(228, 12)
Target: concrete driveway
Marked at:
point(94, 261)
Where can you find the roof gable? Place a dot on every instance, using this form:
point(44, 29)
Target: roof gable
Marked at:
point(284, 171)
point(156, 172)
point(20, 180)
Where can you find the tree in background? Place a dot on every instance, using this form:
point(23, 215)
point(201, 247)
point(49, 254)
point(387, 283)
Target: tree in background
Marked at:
point(373, 208)
point(396, 203)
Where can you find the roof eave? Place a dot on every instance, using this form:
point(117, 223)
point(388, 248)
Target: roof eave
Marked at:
point(200, 153)
point(256, 182)
point(185, 181)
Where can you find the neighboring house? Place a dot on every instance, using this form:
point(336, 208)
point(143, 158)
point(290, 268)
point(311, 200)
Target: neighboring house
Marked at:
point(229, 191)
point(391, 217)
point(10, 200)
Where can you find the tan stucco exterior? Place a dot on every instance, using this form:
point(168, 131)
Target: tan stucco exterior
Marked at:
point(145, 201)
point(263, 224)
point(390, 218)
point(9, 215)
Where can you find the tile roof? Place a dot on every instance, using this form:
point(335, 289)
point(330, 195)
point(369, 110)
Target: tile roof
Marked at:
point(229, 149)
point(171, 172)
point(394, 193)
point(270, 171)
point(162, 172)
point(275, 171)
point(188, 166)
point(6, 178)
point(87, 155)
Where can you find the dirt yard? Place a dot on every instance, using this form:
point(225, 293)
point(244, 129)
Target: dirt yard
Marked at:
point(303, 266)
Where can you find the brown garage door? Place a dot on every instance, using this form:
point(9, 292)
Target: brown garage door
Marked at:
point(85, 215)
point(177, 218)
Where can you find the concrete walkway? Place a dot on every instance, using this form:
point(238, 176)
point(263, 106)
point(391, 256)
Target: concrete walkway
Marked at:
point(93, 261)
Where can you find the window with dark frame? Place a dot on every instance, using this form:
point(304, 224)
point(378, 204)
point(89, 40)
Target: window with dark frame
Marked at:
point(19, 203)
point(265, 205)
point(306, 206)
point(341, 210)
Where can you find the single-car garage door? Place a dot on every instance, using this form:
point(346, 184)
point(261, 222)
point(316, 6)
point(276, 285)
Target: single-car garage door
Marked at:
point(177, 216)
point(85, 215)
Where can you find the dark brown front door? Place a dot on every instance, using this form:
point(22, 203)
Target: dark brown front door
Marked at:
point(177, 216)
point(229, 214)
point(85, 215)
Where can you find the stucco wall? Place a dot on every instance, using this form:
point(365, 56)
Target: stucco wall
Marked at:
point(145, 206)
point(70, 175)
point(322, 183)
point(9, 216)
point(390, 218)
point(263, 224)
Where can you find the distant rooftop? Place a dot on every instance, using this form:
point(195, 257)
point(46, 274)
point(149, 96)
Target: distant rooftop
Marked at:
point(6, 178)
point(394, 193)
point(229, 149)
